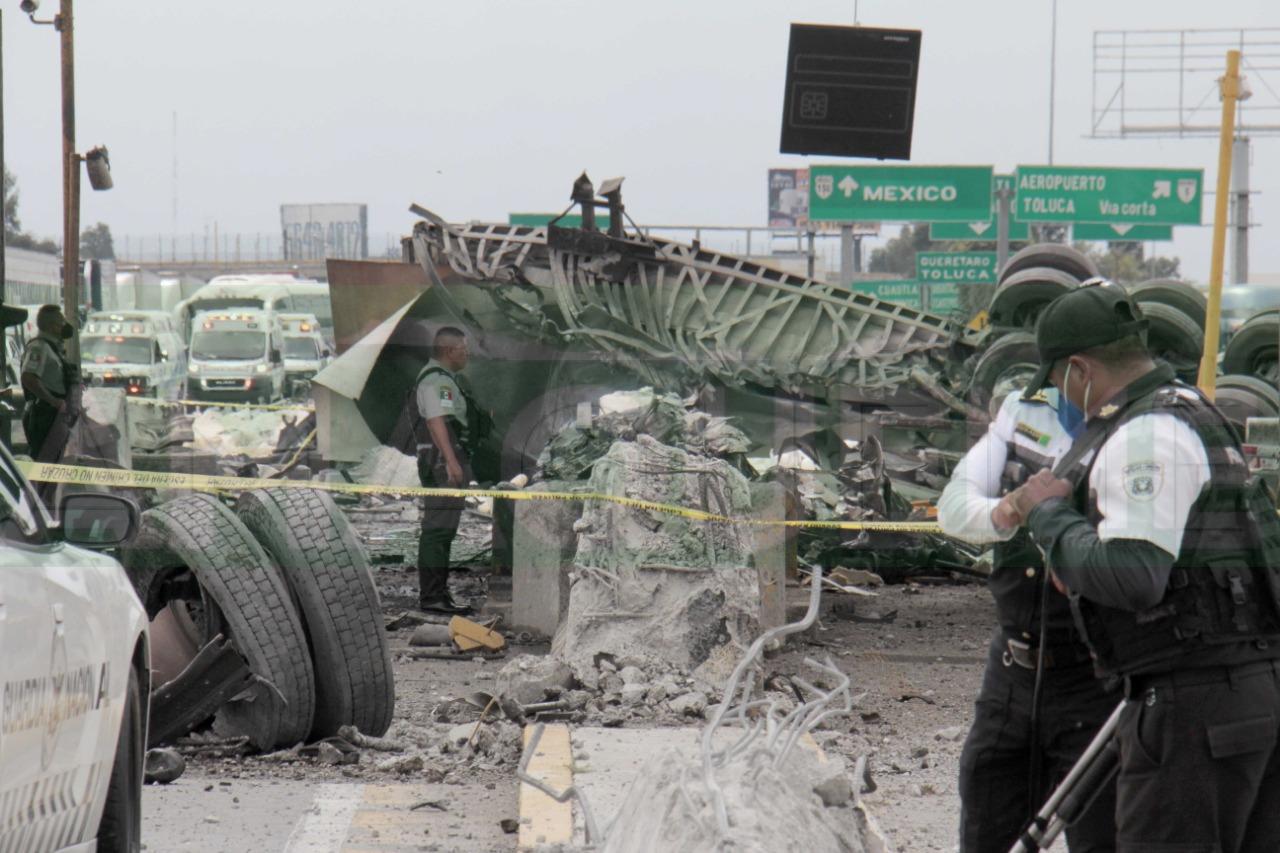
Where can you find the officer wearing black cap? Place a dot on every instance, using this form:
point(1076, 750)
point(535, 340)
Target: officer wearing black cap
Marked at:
point(1040, 704)
point(46, 380)
point(1170, 552)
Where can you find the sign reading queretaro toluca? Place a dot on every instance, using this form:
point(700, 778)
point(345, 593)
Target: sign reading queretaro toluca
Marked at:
point(964, 267)
point(1088, 194)
point(900, 193)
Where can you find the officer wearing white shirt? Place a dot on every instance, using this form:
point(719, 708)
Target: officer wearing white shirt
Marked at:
point(1023, 740)
point(1170, 551)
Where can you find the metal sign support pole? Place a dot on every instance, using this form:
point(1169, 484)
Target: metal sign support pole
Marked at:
point(1230, 89)
point(1002, 228)
point(1240, 211)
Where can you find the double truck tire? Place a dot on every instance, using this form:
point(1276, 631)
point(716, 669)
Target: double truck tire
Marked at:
point(238, 591)
point(328, 575)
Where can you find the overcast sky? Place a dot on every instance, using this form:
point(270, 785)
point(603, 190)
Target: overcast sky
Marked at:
point(477, 108)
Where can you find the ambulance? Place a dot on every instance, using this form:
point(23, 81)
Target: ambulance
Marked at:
point(236, 355)
point(306, 352)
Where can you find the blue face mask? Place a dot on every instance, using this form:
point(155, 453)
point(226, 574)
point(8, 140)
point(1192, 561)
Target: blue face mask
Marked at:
point(1070, 416)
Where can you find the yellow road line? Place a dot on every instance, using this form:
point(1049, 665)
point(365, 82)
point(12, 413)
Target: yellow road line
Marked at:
point(542, 819)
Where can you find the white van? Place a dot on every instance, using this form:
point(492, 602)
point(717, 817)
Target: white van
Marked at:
point(306, 352)
point(140, 351)
point(236, 355)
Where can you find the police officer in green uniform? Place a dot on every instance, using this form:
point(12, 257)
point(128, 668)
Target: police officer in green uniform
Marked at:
point(44, 377)
point(448, 426)
point(1169, 549)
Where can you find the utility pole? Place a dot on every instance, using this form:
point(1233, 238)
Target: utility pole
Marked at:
point(1053, 73)
point(1229, 88)
point(6, 432)
point(70, 183)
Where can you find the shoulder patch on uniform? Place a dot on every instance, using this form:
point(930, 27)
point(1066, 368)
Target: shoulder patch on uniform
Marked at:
point(446, 398)
point(1040, 438)
point(1143, 480)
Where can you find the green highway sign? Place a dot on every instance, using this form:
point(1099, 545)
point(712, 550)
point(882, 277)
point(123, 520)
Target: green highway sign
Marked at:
point(1108, 195)
point(899, 193)
point(1001, 182)
point(1120, 233)
point(966, 267)
point(943, 298)
point(981, 231)
point(569, 220)
point(902, 291)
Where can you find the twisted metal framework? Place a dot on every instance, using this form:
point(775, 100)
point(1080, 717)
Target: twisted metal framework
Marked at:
point(735, 319)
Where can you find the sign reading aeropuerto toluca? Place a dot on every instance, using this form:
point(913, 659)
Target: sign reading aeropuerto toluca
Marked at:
point(1108, 195)
point(900, 193)
point(964, 267)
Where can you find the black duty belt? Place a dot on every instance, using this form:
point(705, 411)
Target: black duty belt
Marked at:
point(1027, 656)
point(1135, 685)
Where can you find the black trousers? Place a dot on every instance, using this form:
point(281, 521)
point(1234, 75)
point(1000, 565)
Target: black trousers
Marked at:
point(995, 801)
point(37, 421)
point(440, 519)
point(1199, 767)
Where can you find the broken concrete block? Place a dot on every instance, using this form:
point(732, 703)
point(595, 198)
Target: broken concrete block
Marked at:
point(690, 704)
point(431, 634)
point(835, 791)
point(403, 765)
point(542, 555)
point(633, 694)
point(950, 733)
point(530, 678)
point(633, 675)
point(769, 502)
point(659, 586)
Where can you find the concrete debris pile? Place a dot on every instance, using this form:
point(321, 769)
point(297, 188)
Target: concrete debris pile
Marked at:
point(623, 415)
point(655, 586)
point(234, 432)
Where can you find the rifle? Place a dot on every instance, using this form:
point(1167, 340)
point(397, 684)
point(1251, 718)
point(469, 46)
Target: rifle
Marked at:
point(1091, 773)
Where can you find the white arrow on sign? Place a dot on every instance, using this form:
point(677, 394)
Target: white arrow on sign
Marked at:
point(979, 228)
point(848, 185)
point(1121, 229)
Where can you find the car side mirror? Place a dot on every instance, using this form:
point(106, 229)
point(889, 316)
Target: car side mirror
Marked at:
point(97, 521)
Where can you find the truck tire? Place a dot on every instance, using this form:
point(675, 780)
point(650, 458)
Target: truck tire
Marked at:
point(1175, 338)
point(1056, 256)
point(1021, 297)
point(1010, 356)
point(329, 575)
point(1174, 293)
point(120, 829)
point(1254, 349)
point(1242, 397)
point(237, 591)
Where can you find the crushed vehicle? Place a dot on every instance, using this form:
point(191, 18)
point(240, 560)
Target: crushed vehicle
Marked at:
point(140, 351)
point(236, 355)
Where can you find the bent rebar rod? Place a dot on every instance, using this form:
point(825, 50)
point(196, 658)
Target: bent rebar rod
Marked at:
point(572, 792)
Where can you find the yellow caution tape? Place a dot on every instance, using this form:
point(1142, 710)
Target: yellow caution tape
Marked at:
point(116, 478)
point(274, 407)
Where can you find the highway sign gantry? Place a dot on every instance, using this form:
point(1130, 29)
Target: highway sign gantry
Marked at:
point(1121, 233)
point(900, 193)
point(1108, 195)
point(961, 267)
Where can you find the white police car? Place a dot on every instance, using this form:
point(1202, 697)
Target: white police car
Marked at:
point(74, 674)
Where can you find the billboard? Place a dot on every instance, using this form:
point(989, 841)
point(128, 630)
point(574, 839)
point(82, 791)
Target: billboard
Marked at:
point(313, 232)
point(789, 204)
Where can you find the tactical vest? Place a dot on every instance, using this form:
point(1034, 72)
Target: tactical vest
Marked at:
point(477, 427)
point(1017, 577)
point(1222, 603)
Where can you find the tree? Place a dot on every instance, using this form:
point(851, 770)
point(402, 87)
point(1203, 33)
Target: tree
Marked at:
point(14, 236)
point(1126, 263)
point(899, 254)
point(11, 224)
point(96, 243)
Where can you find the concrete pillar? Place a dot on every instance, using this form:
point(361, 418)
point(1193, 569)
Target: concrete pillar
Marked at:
point(769, 501)
point(543, 547)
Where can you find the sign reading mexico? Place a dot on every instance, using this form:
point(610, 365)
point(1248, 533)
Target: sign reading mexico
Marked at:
point(900, 193)
point(1088, 194)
